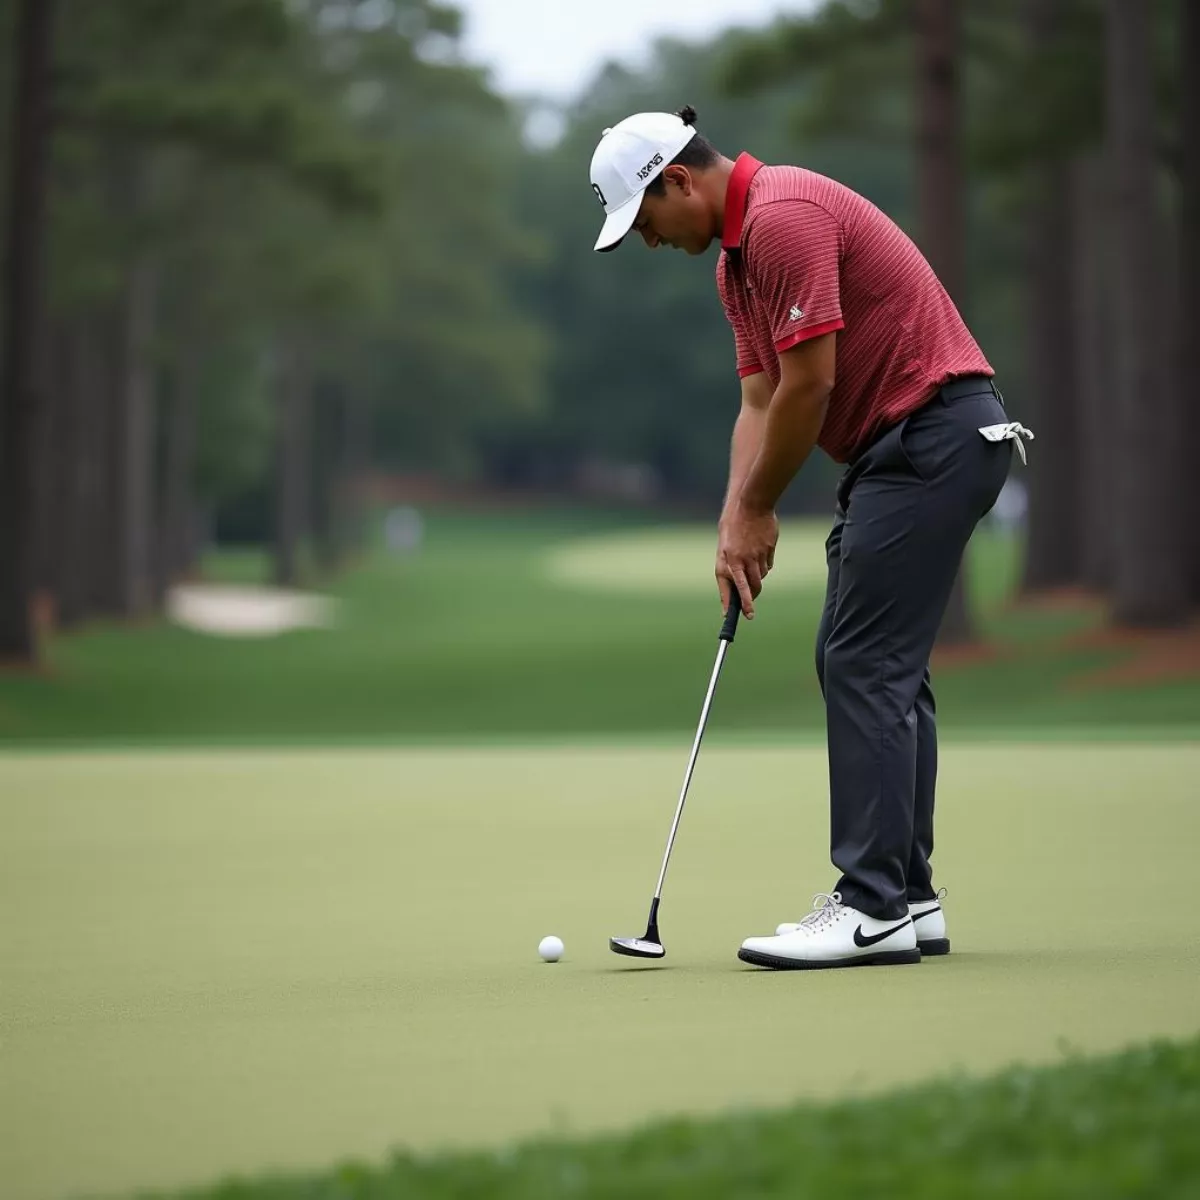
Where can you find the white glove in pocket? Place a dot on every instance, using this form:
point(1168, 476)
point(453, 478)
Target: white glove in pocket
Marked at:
point(1012, 431)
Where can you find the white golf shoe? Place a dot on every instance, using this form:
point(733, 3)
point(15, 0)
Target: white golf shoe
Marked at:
point(928, 920)
point(930, 923)
point(835, 935)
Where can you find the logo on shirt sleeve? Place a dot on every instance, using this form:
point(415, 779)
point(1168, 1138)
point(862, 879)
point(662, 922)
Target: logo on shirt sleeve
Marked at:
point(796, 313)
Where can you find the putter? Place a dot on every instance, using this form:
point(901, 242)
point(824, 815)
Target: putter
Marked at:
point(649, 945)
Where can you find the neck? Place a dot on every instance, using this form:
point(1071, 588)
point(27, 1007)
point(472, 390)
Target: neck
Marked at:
point(716, 187)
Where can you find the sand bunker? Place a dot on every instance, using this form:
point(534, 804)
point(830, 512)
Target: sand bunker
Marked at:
point(227, 610)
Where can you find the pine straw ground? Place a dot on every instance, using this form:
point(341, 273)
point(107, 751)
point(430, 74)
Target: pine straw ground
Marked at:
point(1147, 656)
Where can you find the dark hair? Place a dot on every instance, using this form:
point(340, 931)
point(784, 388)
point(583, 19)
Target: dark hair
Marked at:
point(699, 153)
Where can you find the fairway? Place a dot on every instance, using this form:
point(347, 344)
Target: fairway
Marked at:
point(216, 963)
point(480, 638)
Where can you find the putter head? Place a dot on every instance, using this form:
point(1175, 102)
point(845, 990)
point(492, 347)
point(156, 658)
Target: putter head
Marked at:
point(649, 945)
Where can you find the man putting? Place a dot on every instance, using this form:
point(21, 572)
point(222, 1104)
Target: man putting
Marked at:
point(845, 340)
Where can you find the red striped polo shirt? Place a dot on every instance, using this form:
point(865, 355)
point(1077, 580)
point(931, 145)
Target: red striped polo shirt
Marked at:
point(802, 256)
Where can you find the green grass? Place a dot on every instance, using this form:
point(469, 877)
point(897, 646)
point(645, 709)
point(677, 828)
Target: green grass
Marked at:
point(475, 639)
point(1117, 1128)
point(218, 962)
point(245, 961)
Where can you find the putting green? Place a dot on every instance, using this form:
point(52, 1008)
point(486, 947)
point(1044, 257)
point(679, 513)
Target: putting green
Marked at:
point(216, 963)
point(680, 559)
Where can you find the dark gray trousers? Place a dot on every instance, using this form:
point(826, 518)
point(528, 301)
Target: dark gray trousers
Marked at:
point(907, 506)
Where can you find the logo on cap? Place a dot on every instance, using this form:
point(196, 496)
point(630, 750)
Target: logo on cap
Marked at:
point(654, 162)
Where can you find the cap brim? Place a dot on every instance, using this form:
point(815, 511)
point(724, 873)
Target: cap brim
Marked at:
point(618, 223)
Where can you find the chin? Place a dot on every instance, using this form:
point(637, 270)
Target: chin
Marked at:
point(697, 248)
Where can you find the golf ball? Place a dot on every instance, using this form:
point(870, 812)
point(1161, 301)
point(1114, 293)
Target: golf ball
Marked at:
point(550, 948)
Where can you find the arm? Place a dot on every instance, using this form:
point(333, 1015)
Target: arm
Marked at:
point(770, 443)
point(793, 422)
point(792, 253)
point(746, 445)
point(747, 432)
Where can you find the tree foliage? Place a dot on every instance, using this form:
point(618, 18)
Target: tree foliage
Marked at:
point(235, 182)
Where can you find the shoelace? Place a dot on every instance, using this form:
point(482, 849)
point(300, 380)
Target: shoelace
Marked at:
point(938, 897)
point(826, 907)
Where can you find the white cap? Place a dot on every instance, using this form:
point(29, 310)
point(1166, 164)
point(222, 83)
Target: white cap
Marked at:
point(631, 155)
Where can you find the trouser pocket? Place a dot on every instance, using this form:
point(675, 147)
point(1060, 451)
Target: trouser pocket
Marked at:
point(1009, 431)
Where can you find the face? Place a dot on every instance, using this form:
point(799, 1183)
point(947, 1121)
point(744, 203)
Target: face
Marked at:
point(679, 218)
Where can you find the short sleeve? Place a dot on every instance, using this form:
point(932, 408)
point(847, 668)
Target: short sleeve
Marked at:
point(793, 259)
point(746, 358)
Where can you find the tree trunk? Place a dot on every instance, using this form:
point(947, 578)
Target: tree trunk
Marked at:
point(24, 236)
point(351, 497)
point(342, 457)
point(940, 194)
point(293, 402)
point(80, 528)
point(135, 401)
point(939, 143)
point(176, 533)
point(327, 462)
point(123, 571)
point(49, 465)
point(101, 406)
point(1095, 331)
point(1149, 583)
point(1053, 547)
point(1189, 265)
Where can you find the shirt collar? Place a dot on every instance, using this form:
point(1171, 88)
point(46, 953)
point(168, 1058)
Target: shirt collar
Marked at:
point(744, 170)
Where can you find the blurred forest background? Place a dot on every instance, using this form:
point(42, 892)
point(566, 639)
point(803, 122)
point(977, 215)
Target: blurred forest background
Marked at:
point(262, 256)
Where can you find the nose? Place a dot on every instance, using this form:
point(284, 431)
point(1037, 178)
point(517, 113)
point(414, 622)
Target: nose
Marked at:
point(650, 238)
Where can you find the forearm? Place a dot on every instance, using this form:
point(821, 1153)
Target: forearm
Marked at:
point(790, 431)
point(747, 439)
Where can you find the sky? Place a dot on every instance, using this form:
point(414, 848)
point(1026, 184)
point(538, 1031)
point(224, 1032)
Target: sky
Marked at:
point(553, 47)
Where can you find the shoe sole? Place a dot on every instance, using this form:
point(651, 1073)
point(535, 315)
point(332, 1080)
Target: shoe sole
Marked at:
point(932, 947)
point(885, 958)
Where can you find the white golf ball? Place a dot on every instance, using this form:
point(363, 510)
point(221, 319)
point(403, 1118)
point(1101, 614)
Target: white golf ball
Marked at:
point(550, 948)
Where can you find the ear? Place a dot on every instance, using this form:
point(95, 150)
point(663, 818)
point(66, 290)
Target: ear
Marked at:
point(680, 177)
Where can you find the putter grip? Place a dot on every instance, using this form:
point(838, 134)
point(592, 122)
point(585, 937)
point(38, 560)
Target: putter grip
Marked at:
point(731, 618)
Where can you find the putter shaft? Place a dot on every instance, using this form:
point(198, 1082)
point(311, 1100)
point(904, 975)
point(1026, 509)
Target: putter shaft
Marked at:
point(650, 946)
point(687, 778)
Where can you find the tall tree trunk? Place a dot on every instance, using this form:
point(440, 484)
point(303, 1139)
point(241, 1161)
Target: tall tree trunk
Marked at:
point(1053, 546)
point(1149, 583)
point(176, 534)
point(293, 403)
point(327, 462)
point(24, 236)
point(102, 396)
point(49, 465)
point(940, 194)
point(1189, 262)
point(342, 455)
point(135, 400)
point(1095, 332)
point(352, 496)
point(80, 527)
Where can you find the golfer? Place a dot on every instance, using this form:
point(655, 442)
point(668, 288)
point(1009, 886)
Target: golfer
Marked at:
point(845, 340)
